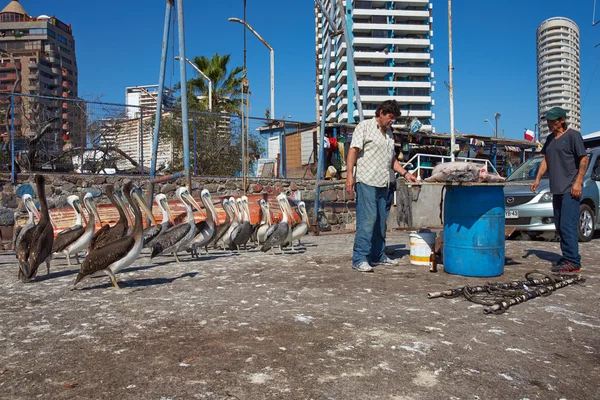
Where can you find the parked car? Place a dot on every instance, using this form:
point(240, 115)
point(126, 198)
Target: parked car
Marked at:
point(532, 213)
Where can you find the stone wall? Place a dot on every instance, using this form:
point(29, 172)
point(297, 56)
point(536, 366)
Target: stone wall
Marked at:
point(339, 209)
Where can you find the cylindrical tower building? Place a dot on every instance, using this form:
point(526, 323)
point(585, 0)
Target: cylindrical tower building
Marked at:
point(558, 71)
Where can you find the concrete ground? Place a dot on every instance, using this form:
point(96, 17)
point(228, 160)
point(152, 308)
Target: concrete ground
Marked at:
point(296, 326)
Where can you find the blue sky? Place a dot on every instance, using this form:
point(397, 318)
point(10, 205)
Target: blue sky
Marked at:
point(118, 45)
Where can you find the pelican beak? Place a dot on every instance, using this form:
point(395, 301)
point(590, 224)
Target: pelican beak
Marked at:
point(136, 193)
point(165, 204)
point(193, 202)
point(91, 205)
point(33, 208)
point(79, 208)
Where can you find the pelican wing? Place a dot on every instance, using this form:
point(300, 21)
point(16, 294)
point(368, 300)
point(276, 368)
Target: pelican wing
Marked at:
point(171, 237)
point(150, 233)
point(41, 247)
point(99, 233)
point(102, 257)
point(66, 237)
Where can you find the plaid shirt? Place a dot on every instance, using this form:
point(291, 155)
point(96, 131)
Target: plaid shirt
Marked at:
point(375, 155)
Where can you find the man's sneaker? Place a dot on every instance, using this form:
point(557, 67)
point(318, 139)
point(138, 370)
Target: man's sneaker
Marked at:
point(363, 267)
point(558, 262)
point(387, 260)
point(567, 267)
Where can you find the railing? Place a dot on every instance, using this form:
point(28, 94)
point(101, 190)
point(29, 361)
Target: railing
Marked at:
point(415, 161)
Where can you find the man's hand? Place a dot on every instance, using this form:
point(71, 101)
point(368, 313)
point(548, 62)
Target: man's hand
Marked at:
point(576, 190)
point(410, 177)
point(350, 184)
point(534, 185)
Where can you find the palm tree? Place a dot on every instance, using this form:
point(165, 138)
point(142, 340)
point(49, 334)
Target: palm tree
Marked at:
point(227, 87)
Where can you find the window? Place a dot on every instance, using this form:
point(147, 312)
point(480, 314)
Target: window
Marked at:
point(62, 39)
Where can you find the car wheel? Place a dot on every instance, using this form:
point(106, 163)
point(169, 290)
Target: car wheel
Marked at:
point(586, 223)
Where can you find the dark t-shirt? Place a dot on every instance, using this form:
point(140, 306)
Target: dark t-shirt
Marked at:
point(562, 159)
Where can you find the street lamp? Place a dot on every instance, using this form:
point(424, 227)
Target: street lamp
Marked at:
point(488, 121)
point(272, 56)
point(497, 117)
point(205, 77)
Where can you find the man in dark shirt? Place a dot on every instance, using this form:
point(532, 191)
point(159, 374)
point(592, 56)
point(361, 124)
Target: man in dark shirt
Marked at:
point(566, 161)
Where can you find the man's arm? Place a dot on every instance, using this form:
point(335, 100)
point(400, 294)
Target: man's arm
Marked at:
point(577, 187)
point(350, 162)
point(541, 172)
point(402, 171)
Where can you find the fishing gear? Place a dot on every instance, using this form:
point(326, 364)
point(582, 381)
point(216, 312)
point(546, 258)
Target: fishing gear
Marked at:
point(498, 297)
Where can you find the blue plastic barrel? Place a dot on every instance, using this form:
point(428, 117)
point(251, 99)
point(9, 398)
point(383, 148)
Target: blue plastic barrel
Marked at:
point(474, 230)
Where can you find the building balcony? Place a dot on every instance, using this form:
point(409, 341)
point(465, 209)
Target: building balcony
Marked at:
point(390, 55)
point(9, 65)
point(400, 99)
point(412, 14)
point(382, 43)
point(394, 84)
point(360, 27)
point(399, 71)
point(411, 113)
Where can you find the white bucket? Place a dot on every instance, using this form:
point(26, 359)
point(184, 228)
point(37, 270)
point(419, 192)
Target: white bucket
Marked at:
point(421, 245)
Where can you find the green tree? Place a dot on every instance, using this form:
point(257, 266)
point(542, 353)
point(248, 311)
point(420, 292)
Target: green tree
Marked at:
point(226, 85)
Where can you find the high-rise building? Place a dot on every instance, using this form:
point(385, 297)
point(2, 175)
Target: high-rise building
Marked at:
point(146, 98)
point(37, 57)
point(558, 71)
point(391, 43)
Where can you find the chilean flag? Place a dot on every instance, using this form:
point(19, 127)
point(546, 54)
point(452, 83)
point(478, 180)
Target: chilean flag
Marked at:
point(529, 135)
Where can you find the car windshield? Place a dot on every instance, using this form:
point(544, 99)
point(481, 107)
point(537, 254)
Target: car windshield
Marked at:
point(527, 171)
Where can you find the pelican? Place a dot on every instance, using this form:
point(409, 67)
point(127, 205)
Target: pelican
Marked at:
point(122, 252)
point(67, 241)
point(153, 232)
point(36, 245)
point(235, 221)
point(206, 230)
point(33, 212)
point(126, 209)
point(278, 233)
point(179, 236)
point(301, 227)
point(224, 227)
point(108, 233)
point(266, 222)
point(241, 234)
point(287, 209)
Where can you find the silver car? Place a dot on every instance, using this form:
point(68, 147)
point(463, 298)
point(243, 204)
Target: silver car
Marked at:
point(532, 213)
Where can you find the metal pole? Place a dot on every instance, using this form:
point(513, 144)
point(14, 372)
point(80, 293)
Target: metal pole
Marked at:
point(451, 86)
point(161, 83)
point(184, 105)
point(195, 147)
point(272, 56)
point(141, 141)
point(13, 175)
point(321, 164)
point(205, 77)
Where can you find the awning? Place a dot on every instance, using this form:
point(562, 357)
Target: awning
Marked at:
point(516, 149)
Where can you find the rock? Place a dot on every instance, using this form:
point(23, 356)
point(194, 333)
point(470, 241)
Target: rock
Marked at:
point(7, 217)
point(99, 180)
point(168, 188)
point(231, 185)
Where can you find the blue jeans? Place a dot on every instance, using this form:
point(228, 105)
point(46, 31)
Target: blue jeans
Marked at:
point(566, 219)
point(369, 240)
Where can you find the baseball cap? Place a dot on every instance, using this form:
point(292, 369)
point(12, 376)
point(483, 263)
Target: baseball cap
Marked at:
point(556, 113)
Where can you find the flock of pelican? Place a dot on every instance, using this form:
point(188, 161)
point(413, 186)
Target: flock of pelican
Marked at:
point(110, 249)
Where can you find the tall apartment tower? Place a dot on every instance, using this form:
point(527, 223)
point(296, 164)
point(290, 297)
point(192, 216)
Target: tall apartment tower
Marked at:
point(558, 71)
point(146, 97)
point(391, 44)
point(37, 54)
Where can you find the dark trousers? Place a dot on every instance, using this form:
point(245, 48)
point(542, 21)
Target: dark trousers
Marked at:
point(566, 220)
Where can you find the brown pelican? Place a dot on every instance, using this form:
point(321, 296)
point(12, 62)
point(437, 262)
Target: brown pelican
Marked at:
point(241, 234)
point(64, 240)
point(32, 212)
point(266, 222)
point(224, 227)
point(36, 245)
point(126, 209)
point(287, 209)
point(108, 233)
point(278, 233)
point(207, 229)
point(179, 236)
point(301, 227)
point(120, 253)
point(235, 221)
point(153, 232)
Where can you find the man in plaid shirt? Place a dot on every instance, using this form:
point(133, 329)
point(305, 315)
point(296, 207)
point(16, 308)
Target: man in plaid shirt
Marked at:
point(372, 152)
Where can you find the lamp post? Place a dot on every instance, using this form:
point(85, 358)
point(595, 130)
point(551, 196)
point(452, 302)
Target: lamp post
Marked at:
point(205, 77)
point(497, 117)
point(488, 121)
point(272, 57)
